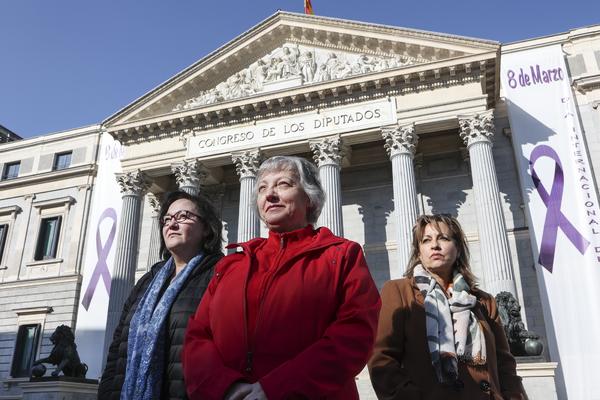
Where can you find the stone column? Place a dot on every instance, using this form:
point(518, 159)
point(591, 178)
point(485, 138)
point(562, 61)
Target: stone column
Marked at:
point(155, 232)
point(400, 144)
point(246, 165)
point(476, 131)
point(133, 187)
point(328, 154)
point(189, 175)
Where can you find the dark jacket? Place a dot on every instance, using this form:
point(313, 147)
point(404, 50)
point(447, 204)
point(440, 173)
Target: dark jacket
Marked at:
point(314, 327)
point(183, 308)
point(401, 365)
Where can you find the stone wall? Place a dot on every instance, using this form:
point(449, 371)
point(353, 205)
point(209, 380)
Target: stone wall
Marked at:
point(51, 302)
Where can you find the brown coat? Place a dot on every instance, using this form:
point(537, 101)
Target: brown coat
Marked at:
point(401, 366)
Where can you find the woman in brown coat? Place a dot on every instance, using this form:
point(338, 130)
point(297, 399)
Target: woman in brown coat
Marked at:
point(439, 337)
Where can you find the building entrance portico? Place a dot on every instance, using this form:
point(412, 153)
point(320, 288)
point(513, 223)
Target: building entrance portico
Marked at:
point(399, 122)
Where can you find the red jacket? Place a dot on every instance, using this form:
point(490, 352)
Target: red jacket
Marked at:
point(315, 326)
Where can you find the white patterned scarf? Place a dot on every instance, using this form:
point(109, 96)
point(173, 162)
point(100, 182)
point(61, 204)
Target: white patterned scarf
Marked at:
point(453, 331)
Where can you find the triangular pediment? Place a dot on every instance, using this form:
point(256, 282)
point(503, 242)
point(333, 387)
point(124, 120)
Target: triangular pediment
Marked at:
point(294, 50)
point(293, 65)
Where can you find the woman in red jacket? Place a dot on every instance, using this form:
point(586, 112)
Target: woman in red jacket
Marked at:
point(292, 316)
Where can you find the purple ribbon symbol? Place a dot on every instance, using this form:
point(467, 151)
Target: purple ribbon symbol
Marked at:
point(102, 250)
point(554, 217)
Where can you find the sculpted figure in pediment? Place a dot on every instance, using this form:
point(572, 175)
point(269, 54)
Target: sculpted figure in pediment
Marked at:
point(292, 65)
point(365, 64)
point(238, 85)
point(322, 74)
point(289, 60)
point(308, 67)
point(275, 69)
point(258, 73)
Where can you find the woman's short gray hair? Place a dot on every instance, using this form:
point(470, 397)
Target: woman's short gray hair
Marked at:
point(307, 175)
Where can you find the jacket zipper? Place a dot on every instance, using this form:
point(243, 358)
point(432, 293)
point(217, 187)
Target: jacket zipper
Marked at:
point(248, 368)
point(264, 290)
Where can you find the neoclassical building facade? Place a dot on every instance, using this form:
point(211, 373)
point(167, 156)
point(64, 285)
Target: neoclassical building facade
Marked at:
point(399, 122)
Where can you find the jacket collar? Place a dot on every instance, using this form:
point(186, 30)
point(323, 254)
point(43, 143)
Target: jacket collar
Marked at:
point(418, 295)
point(323, 237)
point(297, 235)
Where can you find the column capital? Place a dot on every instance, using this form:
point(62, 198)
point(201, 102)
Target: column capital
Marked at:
point(476, 128)
point(154, 202)
point(400, 140)
point(329, 151)
point(189, 172)
point(133, 183)
point(246, 163)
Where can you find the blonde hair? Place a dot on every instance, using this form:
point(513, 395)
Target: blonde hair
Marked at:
point(458, 237)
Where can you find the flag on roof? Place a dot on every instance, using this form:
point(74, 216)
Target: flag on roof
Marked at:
point(308, 7)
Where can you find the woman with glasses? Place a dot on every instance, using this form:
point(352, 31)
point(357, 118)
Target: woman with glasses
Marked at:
point(144, 359)
point(439, 336)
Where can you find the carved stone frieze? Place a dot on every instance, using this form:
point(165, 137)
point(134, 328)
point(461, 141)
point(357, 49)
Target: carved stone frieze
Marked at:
point(133, 183)
point(247, 163)
point(292, 65)
point(400, 140)
point(329, 151)
point(189, 173)
point(477, 128)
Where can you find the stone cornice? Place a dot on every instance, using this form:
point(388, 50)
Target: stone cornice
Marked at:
point(390, 82)
point(51, 138)
point(44, 177)
point(33, 310)
point(327, 32)
point(75, 279)
point(587, 83)
point(373, 28)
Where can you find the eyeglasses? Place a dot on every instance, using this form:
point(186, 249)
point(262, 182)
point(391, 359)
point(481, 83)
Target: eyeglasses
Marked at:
point(181, 217)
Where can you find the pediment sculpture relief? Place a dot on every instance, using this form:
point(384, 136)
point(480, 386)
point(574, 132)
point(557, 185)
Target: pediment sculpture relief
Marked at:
point(289, 66)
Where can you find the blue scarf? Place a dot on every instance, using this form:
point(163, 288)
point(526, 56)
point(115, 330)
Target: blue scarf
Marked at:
point(145, 348)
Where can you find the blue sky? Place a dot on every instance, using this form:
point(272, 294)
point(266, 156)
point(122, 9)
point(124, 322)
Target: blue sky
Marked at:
point(66, 64)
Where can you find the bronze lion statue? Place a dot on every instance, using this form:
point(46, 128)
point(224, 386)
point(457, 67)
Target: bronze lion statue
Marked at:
point(64, 354)
point(521, 341)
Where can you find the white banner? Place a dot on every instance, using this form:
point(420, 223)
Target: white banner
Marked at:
point(99, 256)
point(563, 212)
point(288, 129)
